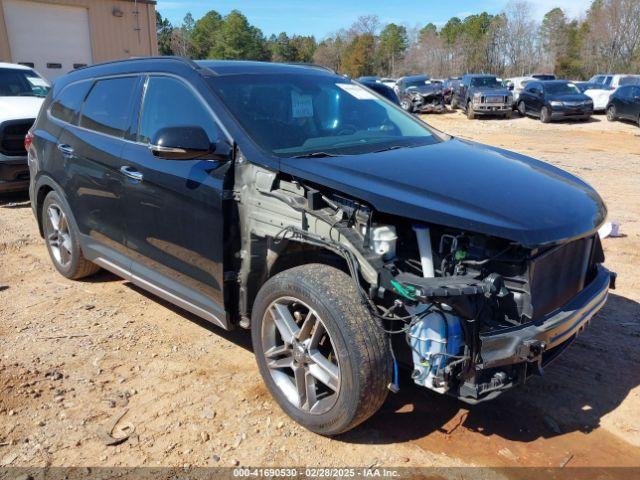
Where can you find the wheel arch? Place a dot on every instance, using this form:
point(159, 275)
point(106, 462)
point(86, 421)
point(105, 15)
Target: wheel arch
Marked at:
point(43, 186)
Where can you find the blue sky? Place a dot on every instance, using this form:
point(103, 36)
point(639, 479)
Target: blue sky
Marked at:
point(322, 17)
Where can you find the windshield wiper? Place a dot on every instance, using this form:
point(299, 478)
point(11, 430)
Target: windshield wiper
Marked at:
point(395, 147)
point(315, 155)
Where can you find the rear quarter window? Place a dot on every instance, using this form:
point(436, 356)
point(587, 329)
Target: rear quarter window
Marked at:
point(66, 106)
point(108, 106)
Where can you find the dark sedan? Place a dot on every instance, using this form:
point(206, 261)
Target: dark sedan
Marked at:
point(624, 104)
point(554, 100)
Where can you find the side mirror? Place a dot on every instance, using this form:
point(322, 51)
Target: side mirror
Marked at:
point(181, 143)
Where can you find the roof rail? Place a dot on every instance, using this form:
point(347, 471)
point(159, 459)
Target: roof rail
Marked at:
point(177, 58)
point(313, 65)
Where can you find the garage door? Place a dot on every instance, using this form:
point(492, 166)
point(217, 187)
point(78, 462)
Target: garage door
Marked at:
point(53, 39)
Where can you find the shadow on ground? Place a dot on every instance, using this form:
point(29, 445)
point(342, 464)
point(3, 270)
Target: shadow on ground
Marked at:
point(589, 380)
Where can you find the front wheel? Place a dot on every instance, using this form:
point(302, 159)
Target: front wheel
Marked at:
point(470, 113)
point(321, 355)
point(611, 113)
point(545, 115)
point(522, 110)
point(406, 106)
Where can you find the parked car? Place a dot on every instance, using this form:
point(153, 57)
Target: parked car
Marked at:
point(584, 86)
point(296, 203)
point(515, 85)
point(613, 81)
point(554, 99)
point(369, 79)
point(624, 104)
point(543, 76)
point(448, 87)
point(22, 92)
point(418, 93)
point(481, 94)
point(382, 89)
point(389, 82)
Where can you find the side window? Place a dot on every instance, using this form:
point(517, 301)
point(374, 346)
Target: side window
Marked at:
point(170, 103)
point(67, 106)
point(107, 109)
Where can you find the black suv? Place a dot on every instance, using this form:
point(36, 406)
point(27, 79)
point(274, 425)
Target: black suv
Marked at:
point(625, 104)
point(481, 94)
point(347, 235)
point(554, 100)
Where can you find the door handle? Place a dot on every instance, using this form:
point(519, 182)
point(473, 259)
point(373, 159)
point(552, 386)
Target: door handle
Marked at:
point(66, 150)
point(131, 173)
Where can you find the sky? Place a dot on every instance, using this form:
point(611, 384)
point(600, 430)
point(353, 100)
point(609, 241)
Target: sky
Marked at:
point(323, 17)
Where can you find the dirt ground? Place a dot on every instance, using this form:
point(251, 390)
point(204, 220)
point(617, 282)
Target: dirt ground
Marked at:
point(77, 357)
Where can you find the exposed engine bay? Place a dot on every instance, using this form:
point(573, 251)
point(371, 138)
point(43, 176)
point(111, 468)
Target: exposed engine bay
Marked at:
point(464, 309)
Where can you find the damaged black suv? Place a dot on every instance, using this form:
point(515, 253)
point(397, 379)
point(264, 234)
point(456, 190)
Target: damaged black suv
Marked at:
point(347, 235)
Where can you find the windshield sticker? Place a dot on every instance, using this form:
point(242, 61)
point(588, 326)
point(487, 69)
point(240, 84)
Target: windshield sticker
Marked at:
point(356, 91)
point(301, 105)
point(37, 82)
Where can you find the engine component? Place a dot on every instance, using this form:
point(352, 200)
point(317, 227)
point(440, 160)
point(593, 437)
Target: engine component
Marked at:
point(383, 241)
point(424, 244)
point(436, 340)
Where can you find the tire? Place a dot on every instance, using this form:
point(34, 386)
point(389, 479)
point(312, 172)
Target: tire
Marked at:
point(406, 106)
point(357, 350)
point(454, 104)
point(62, 240)
point(470, 113)
point(545, 115)
point(522, 110)
point(611, 113)
point(638, 122)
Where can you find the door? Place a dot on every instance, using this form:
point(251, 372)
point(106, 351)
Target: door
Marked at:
point(624, 96)
point(53, 39)
point(93, 182)
point(175, 207)
point(634, 105)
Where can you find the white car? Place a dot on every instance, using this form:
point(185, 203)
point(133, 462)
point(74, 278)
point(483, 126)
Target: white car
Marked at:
point(609, 83)
point(22, 92)
point(516, 85)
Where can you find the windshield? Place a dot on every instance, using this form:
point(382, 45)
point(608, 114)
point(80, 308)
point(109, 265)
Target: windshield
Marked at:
point(490, 82)
point(417, 82)
point(22, 83)
point(561, 88)
point(303, 115)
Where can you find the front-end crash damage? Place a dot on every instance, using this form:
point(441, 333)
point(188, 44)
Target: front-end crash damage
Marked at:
point(472, 314)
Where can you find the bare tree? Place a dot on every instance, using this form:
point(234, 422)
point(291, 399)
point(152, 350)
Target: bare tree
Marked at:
point(519, 38)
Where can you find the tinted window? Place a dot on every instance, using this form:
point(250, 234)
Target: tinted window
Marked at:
point(67, 106)
point(489, 82)
point(562, 88)
point(623, 92)
point(108, 106)
point(22, 83)
point(170, 103)
point(629, 80)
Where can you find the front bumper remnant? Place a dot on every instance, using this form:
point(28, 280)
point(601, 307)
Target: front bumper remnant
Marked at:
point(510, 355)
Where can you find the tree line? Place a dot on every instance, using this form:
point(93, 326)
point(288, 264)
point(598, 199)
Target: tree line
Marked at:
point(510, 43)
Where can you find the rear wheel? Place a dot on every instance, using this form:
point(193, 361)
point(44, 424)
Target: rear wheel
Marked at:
point(611, 113)
point(62, 240)
point(545, 115)
point(321, 355)
point(470, 113)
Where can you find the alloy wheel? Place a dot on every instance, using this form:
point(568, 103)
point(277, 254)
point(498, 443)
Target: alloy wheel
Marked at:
point(300, 355)
point(611, 113)
point(58, 236)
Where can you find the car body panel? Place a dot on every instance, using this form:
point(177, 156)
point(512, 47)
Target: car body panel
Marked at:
point(465, 185)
